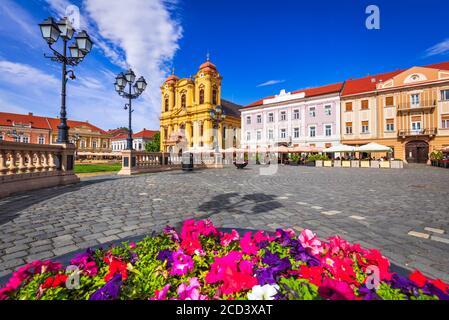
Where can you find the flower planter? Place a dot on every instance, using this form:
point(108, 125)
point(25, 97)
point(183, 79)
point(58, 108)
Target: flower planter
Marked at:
point(355, 164)
point(337, 163)
point(384, 164)
point(205, 263)
point(318, 163)
point(396, 164)
point(375, 164)
point(364, 164)
point(327, 163)
point(346, 163)
point(309, 163)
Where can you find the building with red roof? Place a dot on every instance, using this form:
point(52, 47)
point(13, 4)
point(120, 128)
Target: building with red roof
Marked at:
point(306, 118)
point(29, 128)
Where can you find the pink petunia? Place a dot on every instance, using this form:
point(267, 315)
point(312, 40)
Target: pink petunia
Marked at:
point(248, 245)
point(162, 293)
point(309, 240)
point(227, 238)
point(182, 263)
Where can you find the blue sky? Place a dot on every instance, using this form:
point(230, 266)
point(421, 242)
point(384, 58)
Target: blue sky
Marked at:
point(259, 47)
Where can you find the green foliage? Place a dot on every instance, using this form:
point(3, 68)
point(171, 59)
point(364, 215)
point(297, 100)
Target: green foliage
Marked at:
point(317, 157)
point(386, 292)
point(155, 144)
point(294, 157)
point(436, 155)
point(298, 289)
point(91, 168)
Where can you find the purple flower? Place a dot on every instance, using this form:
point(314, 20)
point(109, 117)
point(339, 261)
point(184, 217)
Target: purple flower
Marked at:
point(368, 294)
point(405, 285)
point(134, 258)
point(166, 255)
point(110, 291)
point(265, 276)
point(172, 232)
point(430, 289)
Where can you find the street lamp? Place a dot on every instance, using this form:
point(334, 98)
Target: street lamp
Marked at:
point(51, 32)
point(217, 116)
point(135, 89)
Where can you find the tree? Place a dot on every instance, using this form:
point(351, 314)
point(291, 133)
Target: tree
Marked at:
point(155, 144)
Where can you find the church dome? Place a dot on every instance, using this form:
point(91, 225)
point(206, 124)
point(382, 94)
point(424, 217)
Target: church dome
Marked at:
point(172, 78)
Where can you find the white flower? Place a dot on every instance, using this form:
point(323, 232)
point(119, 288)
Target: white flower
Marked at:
point(266, 292)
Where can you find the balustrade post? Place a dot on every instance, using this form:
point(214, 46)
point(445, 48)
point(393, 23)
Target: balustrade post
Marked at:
point(22, 167)
point(45, 161)
point(3, 167)
point(12, 162)
point(51, 161)
point(30, 162)
point(38, 166)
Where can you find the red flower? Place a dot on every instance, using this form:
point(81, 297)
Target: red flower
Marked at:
point(440, 285)
point(54, 282)
point(115, 266)
point(313, 274)
point(234, 281)
point(418, 278)
point(248, 245)
point(191, 244)
point(374, 257)
point(336, 290)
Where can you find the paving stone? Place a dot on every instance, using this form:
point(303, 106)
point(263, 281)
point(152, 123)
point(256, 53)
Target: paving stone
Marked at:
point(419, 234)
point(434, 230)
point(439, 239)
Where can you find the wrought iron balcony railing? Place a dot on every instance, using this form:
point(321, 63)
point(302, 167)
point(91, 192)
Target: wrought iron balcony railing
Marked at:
point(424, 104)
point(421, 132)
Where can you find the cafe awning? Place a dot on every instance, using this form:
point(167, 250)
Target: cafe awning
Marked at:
point(340, 148)
point(373, 147)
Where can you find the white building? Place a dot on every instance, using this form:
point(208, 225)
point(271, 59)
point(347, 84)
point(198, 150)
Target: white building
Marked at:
point(139, 140)
point(309, 117)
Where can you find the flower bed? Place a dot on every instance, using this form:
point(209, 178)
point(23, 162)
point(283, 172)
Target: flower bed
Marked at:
point(202, 263)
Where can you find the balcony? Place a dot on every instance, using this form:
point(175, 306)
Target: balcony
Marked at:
point(412, 133)
point(423, 105)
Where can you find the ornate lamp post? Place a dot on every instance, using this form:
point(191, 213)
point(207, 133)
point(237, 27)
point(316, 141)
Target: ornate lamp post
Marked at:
point(51, 32)
point(217, 116)
point(139, 87)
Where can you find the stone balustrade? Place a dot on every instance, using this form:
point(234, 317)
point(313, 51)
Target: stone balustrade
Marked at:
point(26, 166)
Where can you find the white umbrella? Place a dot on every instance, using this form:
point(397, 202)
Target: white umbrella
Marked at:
point(340, 148)
point(373, 147)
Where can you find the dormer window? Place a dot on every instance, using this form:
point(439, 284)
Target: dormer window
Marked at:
point(183, 100)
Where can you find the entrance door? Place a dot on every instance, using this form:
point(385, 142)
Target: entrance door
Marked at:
point(417, 152)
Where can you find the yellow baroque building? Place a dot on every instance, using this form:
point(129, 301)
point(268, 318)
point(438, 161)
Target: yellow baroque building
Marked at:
point(185, 122)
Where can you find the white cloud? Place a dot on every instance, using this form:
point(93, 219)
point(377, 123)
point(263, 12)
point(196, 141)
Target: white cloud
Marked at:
point(439, 48)
point(24, 75)
point(133, 33)
point(148, 37)
point(270, 83)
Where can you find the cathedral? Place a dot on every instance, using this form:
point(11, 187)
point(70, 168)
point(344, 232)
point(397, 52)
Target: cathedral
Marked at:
point(186, 121)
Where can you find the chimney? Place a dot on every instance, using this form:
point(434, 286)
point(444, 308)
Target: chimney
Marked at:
point(30, 113)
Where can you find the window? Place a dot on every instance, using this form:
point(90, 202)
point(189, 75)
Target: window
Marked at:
point(214, 96)
point(41, 140)
point(259, 118)
point(296, 114)
point(166, 104)
point(25, 139)
point(283, 116)
point(312, 111)
point(445, 122)
point(201, 96)
point(248, 136)
point(365, 104)
point(296, 133)
point(94, 144)
point(16, 138)
point(1, 137)
point(416, 123)
point(271, 117)
point(328, 110)
point(258, 135)
point(283, 133)
point(389, 125)
point(365, 127)
point(183, 100)
point(348, 127)
point(140, 146)
point(270, 134)
point(389, 101)
point(328, 130)
point(248, 120)
point(414, 99)
point(444, 95)
point(312, 131)
point(348, 106)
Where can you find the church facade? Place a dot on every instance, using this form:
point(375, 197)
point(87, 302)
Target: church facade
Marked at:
point(186, 123)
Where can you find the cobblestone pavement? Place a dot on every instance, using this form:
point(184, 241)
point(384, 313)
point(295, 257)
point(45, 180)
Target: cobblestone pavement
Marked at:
point(404, 213)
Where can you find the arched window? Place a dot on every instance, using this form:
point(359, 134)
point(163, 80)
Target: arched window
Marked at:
point(201, 96)
point(214, 96)
point(183, 100)
point(166, 104)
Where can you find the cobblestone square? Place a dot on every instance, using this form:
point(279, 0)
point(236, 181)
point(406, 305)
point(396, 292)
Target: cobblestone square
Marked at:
point(403, 213)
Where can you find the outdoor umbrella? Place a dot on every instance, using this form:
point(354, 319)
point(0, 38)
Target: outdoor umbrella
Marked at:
point(373, 147)
point(340, 148)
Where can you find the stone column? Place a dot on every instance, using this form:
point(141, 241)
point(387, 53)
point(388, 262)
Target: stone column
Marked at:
point(188, 133)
